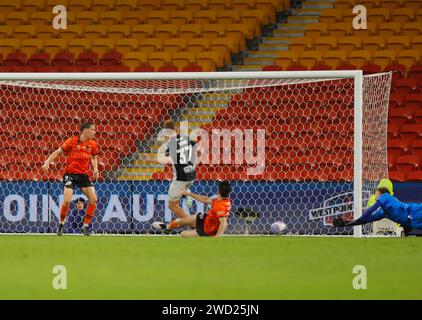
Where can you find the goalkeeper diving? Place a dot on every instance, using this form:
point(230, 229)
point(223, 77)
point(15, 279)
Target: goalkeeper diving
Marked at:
point(408, 215)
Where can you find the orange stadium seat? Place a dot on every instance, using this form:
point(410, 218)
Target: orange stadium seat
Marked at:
point(359, 58)
point(33, 5)
point(412, 29)
point(173, 5)
point(325, 43)
point(418, 14)
point(102, 5)
point(93, 32)
point(46, 32)
point(181, 17)
point(309, 59)
point(338, 30)
point(119, 32)
point(226, 17)
point(134, 59)
point(16, 19)
point(369, 31)
point(301, 44)
point(403, 15)
point(373, 43)
point(287, 58)
point(159, 59)
point(142, 31)
point(24, 32)
point(40, 18)
point(174, 45)
point(213, 31)
point(370, 3)
point(208, 60)
point(334, 58)
point(72, 32)
point(126, 5)
point(6, 32)
point(110, 18)
point(331, 16)
point(350, 43)
point(412, 3)
point(133, 18)
point(407, 163)
point(31, 46)
point(254, 18)
point(127, 45)
point(9, 6)
point(239, 31)
point(219, 5)
point(103, 45)
point(198, 45)
point(53, 46)
point(344, 4)
point(316, 30)
point(149, 5)
point(416, 148)
point(224, 46)
point(157, 17)
point(190, 31)
point(397, 43)
point(50, 4)
point(417, 43)
point(87, 18)
point(196, 5)
point(77, 46)
point(242, 5)
point(389, 29)
point(9, 45)
point(384, 58)
point(397, 147)
point(205, 17)
point(411, 131)
point(79, 5)
point(166, 31)
point(183, 59)
point(408, 57)
point(151, 45)
point(391, 4)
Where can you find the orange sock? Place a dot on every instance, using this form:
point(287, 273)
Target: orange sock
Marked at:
point(89, 214)
point(173, 225)
point(64, 210)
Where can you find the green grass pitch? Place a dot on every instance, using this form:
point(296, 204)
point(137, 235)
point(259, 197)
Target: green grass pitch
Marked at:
point(209, 268)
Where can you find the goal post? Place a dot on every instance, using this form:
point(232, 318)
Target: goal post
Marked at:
point(323, 137)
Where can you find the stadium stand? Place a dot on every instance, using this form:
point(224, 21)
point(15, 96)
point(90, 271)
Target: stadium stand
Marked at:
point(210, 35)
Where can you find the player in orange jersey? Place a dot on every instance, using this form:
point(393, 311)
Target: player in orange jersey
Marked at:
point(213, 223)
point(81, 151)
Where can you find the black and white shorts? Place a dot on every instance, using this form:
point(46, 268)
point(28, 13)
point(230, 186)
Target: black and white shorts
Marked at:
point(76, 180)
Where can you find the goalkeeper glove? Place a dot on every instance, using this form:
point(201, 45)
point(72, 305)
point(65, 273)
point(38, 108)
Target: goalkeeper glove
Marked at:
point(339, 222)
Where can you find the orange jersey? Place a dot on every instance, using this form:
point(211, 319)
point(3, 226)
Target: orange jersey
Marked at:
point(79, 155)
point(219, 209)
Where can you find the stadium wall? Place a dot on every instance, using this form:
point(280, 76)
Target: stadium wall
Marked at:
point(131, 207)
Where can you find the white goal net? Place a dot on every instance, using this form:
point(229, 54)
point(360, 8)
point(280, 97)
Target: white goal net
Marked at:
point(298, 147)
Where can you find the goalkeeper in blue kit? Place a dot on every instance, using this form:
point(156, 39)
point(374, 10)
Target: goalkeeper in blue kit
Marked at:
point(408, 215)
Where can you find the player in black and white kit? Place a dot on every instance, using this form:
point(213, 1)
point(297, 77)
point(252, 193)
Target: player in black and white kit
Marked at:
point(182, 153)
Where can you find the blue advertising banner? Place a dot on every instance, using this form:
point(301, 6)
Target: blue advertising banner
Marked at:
point(132, 207)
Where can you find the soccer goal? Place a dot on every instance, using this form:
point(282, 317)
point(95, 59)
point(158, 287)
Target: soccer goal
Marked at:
point(298, 147)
